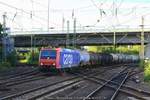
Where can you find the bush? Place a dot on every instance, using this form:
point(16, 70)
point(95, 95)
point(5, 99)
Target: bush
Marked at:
point(5, 65)
point(147, 71)
point(33, 59)
point(142, 64)
point(12, 58)
point(1, 54)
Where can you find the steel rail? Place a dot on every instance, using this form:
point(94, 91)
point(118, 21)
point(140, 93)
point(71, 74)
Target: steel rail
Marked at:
point(100, 87)
point(18, 80)
point(18, 75)
point(121, 90)
point(34, 89)
point(116, 92)
point(41, 87)
point(45, 93)
point(124, 86)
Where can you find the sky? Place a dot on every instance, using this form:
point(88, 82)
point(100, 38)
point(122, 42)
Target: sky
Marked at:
point(32, 15)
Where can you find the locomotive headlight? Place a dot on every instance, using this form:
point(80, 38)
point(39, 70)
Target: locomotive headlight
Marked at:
point(53, 64)
point(41, 63)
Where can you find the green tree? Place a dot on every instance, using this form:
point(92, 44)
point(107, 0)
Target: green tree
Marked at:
point(1, 29)
point(33, 58)
point(12, 58)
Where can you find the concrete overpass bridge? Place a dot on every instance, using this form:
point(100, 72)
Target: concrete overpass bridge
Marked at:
point(90, 37)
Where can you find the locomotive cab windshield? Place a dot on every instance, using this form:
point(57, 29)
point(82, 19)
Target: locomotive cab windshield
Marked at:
point(48, 57)
point(48, 54)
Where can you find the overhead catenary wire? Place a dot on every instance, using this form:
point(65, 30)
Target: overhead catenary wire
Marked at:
point(79, 8)
point(122, 23)
point(99, 7)
point(120, 4)
point(19, 25)
point(36, 2)
point(17, 14)
point(134, 17)
point(131, 12)
point(2, 3)
point(25, 11)
point(82, 10)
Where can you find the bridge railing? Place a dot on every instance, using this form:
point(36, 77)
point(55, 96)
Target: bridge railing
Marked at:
point(89, 30)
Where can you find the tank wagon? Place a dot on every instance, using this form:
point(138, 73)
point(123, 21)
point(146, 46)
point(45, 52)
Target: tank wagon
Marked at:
point(61, 58)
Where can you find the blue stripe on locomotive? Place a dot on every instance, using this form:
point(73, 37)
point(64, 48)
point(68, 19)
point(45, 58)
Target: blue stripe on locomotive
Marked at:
point(69, 58)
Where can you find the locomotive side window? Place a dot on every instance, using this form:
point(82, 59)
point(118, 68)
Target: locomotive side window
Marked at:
point(48, 54)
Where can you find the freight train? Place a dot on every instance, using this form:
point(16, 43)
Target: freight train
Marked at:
point(61, 58)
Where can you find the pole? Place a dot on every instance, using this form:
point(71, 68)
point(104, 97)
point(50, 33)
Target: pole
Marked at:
point(4, 23)
point(32, 47)
point(67, 36)
point(74, 31)
point(4, 36)
point(114, 40)
point(63, 22)
point(142, 39)
point(48, 17)
point(1, 44)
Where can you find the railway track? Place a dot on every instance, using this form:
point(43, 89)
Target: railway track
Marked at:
point(21, 80)
point(16, 75)
point(121, 77)
point(57, 91)
point(16, 79)
point(29, 92)
point(52, 87)
point(67, 86)
point(137, 93)
point(112, 85)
